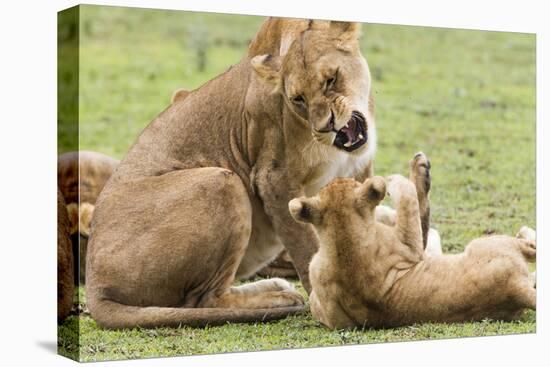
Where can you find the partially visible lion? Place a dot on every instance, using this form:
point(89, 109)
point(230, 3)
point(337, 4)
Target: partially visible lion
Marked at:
point(368, 274)
point(83, 173)
point(65, 270)
point(81, 176)
point(201, 197)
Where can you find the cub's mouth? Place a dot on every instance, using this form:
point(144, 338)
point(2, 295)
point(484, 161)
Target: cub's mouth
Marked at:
point(353, 135)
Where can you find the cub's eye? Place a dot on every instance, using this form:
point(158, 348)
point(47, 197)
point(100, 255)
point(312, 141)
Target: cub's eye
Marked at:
point(299, 100)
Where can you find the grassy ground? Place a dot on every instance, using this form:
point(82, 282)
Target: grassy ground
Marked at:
point(466, 98)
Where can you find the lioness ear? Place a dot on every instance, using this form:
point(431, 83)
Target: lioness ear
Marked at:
point(347, 33)
point(267, 67)
point(372, 191)
point(305, 210)
point(180, 95)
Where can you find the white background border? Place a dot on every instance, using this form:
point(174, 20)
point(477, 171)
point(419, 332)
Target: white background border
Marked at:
point(28, 179)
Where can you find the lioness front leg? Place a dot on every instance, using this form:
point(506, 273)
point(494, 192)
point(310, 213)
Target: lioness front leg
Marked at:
point(299, 239)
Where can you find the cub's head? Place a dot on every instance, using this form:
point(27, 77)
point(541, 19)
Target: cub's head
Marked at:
point(325, 83)
point(344, 205)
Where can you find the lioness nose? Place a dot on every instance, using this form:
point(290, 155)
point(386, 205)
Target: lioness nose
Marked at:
point(329, 126)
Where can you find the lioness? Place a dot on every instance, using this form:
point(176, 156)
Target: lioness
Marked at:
point(368, 274)
point(201, 197)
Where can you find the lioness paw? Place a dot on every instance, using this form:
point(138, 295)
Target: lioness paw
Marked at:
point(282, 284)
point(294, 298)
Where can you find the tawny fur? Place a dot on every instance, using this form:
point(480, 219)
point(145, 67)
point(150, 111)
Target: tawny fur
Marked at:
point(83, 173)
point(368, 274)
point(81, 176)
point(65, 285)
point(200, 198)
point(179, 95)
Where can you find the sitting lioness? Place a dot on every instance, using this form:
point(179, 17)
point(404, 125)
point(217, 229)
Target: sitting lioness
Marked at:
point(368, 274)
point(201, 197)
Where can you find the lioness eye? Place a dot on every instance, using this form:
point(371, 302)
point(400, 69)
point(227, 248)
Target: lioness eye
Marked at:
point(330, 81)
point(298, 99)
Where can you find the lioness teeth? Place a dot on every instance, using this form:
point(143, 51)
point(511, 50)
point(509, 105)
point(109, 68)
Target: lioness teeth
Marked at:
point(361, 136)
point(348, 144)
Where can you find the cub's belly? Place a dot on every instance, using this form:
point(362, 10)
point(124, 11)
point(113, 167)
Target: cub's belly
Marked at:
point(264, 244)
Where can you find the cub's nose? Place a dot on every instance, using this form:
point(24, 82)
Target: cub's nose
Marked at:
point(329, 126)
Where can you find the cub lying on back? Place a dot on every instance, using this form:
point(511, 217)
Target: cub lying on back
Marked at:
point(368, 274)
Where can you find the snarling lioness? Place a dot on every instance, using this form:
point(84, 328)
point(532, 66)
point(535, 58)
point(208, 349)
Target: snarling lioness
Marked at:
point(201, 197)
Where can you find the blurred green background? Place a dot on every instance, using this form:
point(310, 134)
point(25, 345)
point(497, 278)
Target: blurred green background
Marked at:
point(466, 98)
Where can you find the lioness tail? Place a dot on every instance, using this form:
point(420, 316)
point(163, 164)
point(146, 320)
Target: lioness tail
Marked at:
point(114, 315)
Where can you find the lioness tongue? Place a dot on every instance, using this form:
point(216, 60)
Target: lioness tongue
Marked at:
point(351, 130)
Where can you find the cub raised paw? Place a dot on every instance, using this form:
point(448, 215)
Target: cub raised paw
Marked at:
point(419, 172)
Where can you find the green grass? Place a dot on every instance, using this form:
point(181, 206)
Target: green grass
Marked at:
point(293, 332)
point(466, 98)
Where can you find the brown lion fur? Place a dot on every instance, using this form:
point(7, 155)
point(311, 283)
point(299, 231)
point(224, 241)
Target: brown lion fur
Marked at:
point(200, 198)
point(81, 176)
point(83, 173)
point(65, 285)
point(369, 274)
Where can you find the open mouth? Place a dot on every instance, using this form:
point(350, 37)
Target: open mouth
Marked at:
point(353, 135)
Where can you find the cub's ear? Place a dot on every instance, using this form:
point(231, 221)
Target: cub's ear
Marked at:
point(372, 191)
point(305, 210)
point(347, 34)
point(268, 68)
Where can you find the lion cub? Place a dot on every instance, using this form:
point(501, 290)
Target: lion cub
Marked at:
point(369, 274)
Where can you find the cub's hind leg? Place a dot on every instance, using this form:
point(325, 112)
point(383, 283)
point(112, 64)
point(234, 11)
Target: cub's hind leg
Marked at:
point(529, 235)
